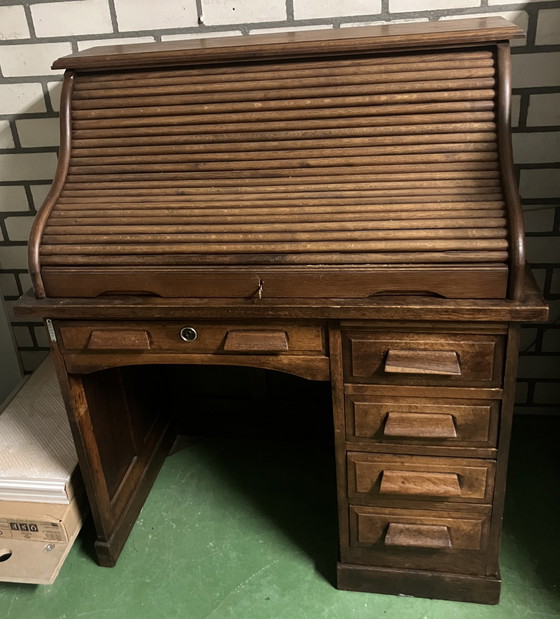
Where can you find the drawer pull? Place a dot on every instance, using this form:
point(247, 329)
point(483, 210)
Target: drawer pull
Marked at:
point(419, 425)
point(119, 340)
point(418, 535)
point(440, 362)
point(420, 484)
point(256, 341)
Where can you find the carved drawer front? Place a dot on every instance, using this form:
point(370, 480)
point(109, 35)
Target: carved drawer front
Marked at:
point(373, 477)
point(195, 337)
point(422, 358)
point(426, 421)
point(422, 539)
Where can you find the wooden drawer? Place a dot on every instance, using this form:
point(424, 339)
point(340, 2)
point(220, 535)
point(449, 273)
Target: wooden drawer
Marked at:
point(418, 539)
point(422, 358)
point(264, 337)
point(423, 421)
point(372, 477)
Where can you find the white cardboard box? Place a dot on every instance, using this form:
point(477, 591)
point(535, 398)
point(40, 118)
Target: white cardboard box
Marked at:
point(41, 492)
point(35, 538)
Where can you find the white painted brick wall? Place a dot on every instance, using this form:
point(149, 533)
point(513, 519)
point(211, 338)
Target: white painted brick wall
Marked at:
point(13, 198)
point(519, 18)
point(401, 6)
point(223, 12)
point(296, 29)
point(200, 35)
point(59, 19)
point(31, 59)
point(358, 24)
point(38, 132)
point(543, 183)
point(529, 70)
point(8, 285)
point(13, 23)
point(117, 41)
point(32, 359)
point(39, 193)
point(13, 257)
point(18, 228)
point(537, 147)
point(548, 27)
point(21, 98)
point(55, 89)
point(539, 218)
point(41, 336)
point(515, 109)
point(503, 2)
point(544, 110)
point(310, 9)
point(27, 166)
point(6, 139)
point(23, 337)
point(149, 15)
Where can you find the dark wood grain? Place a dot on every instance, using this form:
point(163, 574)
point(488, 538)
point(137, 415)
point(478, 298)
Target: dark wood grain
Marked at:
point(300, 44)
point(339, 205)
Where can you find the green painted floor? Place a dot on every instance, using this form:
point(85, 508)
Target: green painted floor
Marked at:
point(246, 529)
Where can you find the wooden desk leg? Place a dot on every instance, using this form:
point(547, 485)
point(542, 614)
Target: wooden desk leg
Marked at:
point(122, 436)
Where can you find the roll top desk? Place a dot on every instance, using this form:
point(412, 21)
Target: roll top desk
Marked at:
point(339, 205)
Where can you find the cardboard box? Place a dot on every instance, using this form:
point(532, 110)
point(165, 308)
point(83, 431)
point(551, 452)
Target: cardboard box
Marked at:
point(35, 539)
point(41, 492)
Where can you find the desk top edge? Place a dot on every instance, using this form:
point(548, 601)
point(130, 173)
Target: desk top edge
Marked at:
point(291, 44)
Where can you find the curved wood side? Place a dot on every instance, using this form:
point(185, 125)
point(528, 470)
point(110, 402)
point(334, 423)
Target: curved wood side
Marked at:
point(56, 188)
point(511, 193)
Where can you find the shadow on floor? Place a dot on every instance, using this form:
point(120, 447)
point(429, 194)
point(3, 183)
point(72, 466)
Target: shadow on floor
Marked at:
point(532, 508)
point(292, 483)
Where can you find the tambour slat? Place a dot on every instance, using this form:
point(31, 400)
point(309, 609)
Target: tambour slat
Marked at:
point(344, 114)
point(160, 181)
point(263, 91)
point(371, 258)
point(260, 164)
point(291, 145)
point(210, 236)
point(481, 93)
point(404, 123)
point(221, 226)
point(469, 169)
point(369, 160)
point(383, 220)
point(373, 134)
point(291, 246)
point(124, 77)
point(173, 82)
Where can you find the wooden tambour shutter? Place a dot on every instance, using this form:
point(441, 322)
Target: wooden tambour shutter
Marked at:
point(325, 176)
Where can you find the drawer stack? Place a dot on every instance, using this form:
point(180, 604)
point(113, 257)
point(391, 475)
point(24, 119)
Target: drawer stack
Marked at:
point(421, 416)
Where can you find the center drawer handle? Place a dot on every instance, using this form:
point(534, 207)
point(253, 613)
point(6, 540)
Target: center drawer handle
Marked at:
point(420, 484)
point(440, 362)
point(418, 535)
point(256, 340)
point(419, 425)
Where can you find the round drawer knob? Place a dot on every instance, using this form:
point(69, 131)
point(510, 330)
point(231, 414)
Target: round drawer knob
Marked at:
point(188, 334)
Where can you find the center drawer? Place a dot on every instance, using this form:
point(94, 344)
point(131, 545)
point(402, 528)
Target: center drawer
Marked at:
point(264, 337)
point(374, 477)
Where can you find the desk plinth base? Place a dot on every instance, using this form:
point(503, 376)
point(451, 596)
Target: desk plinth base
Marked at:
point(415, 583)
